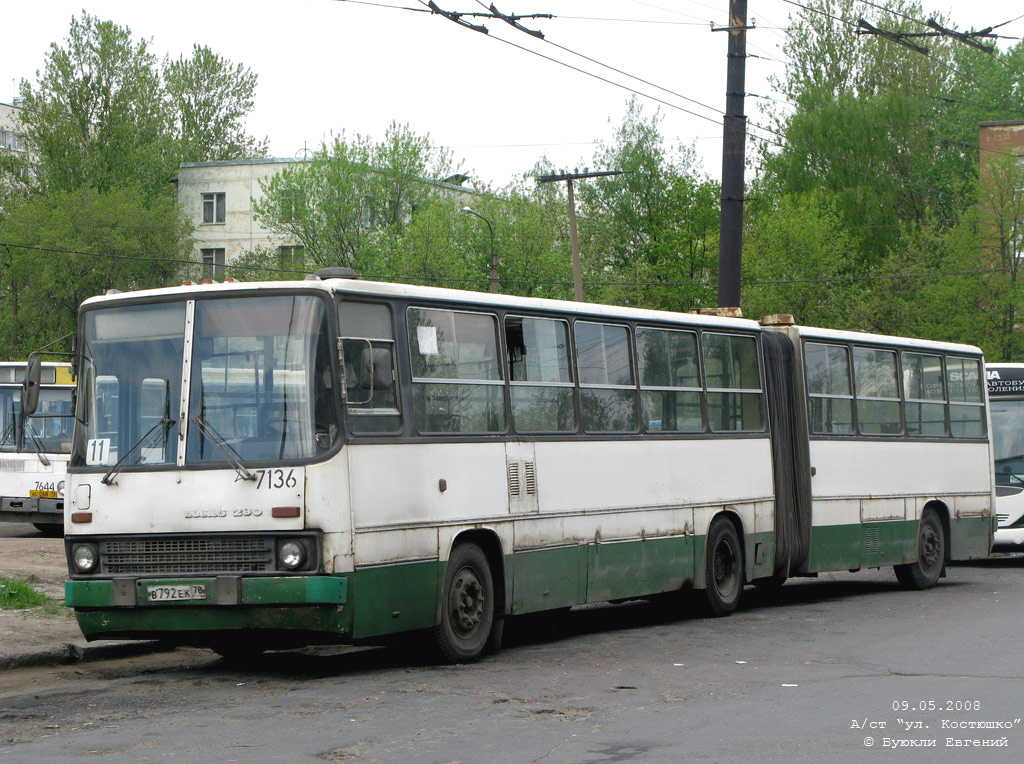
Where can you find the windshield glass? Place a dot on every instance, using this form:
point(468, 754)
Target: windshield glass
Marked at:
point(260, 387)
point(41, 433)
point(130, 385)
point(1008, 440)
point(49, 429)
point(10, 418)
point(261, 380)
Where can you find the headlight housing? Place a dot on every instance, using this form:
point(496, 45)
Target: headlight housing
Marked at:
point(85, 557)
point(291, 554)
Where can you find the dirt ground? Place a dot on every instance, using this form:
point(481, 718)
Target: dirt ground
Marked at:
point(27, 555)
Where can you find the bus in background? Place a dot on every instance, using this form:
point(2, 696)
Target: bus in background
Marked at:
point(1006, 401)
point(34, 450)
point(267, 465)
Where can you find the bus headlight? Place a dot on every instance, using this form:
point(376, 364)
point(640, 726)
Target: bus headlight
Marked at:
point(84, 557)
point(291, 555)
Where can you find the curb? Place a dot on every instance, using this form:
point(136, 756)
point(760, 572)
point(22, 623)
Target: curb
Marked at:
point(69, 653)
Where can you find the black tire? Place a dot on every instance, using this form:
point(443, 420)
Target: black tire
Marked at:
point(723, 568)
point(467, 606)
point(50, 530)
point(931, 554)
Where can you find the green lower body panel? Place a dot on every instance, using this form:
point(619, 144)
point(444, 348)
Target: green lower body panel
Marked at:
point(893, 542)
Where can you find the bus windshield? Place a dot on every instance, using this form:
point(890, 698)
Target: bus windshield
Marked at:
point(49, 431)
point(260, 382)
point(1008, 439)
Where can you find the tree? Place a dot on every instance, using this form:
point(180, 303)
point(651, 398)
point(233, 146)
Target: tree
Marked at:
point(97, 117)
point(794, 253)
point(208, 99)
point(351, 194)
point(655, 223)
point(138, 244)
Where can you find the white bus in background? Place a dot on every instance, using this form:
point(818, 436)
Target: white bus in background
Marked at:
point(34, 450)
point(1006, 401)
point(262, 465)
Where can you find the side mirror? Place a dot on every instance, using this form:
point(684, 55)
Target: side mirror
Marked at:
point(30, 387)
point(375, 369)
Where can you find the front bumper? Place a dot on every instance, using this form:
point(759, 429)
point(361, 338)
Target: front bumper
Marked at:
point(299, 609)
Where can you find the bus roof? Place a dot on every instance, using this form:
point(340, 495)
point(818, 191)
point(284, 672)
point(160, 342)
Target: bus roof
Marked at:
point(487, 299)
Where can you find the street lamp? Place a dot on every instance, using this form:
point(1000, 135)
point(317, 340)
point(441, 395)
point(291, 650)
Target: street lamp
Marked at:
point(494, 254)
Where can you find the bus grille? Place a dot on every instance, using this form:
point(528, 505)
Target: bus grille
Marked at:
point(185, 555)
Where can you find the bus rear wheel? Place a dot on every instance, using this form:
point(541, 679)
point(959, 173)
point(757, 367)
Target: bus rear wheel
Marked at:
point(467, 606)
point(723, 567)
point(931, 554)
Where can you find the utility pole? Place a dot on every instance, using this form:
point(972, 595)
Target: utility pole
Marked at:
point(734, 137)
point(569, 177)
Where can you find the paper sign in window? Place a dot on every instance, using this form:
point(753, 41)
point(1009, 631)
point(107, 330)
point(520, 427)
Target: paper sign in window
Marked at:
point(426, 338)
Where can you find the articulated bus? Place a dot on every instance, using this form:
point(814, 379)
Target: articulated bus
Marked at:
point(34, 450)
point(1006, 399)
point(267, 465)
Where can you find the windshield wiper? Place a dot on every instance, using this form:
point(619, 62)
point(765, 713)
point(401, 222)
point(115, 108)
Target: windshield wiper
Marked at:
point(233, 458)
point(108, 479)
point(39, 447)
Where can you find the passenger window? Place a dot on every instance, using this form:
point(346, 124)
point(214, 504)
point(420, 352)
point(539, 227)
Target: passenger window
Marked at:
point(607, 389)
point(541, 380)
point(878, 397)
point(924, 394)
point(828, 388)
point(670, 388)
point(457, 382)
point(966, 401)
point(733, 381)
point(371, 389)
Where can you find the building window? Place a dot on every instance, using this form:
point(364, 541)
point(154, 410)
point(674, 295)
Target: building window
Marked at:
point(213, 262)
point(213, 208)
point(291, 257)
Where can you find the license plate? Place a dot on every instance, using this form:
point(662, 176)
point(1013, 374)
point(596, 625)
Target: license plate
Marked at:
point(43, 494)
point(176, 593)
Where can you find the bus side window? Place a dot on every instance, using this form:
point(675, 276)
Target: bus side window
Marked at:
point(828, 388)
point(457, 384)
point(733, 382)
point(540, 374)
point(607, 388)
point(966, 402)
point(878, 394)
point(924, 394)
point(368, 350)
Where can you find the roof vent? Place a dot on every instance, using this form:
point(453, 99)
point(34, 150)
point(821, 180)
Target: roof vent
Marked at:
point(779, 319)
point(337, 273)
point(113, 291)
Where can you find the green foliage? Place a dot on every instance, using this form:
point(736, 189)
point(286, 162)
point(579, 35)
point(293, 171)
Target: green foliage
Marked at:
point(97, 118)
point(208, 99)
point(43, 289)
point(795, 255)
point(18, 595)
point(352, 195)
point(655, 225)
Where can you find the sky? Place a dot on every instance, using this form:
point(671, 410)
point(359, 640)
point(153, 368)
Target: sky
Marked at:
point(328, 67)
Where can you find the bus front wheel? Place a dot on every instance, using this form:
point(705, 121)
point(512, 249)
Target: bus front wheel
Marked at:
point(467, 606)
point(723, 567)
point(931, 554)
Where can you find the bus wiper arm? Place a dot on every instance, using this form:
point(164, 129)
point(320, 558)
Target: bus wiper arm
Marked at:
point(39, 447)
point(108, 479)
point(233, 458)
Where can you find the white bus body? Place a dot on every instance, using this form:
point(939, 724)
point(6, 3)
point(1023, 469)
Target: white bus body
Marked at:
point(1006, 399)
point(337, 460)
point(34, 450)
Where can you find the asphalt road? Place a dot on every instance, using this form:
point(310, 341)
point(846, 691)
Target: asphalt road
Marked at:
point(804, 674)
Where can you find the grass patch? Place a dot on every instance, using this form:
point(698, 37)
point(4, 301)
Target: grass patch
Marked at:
point(18, 595)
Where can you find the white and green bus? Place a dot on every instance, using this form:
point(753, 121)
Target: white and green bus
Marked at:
point(34, 450)
point(265, 465)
